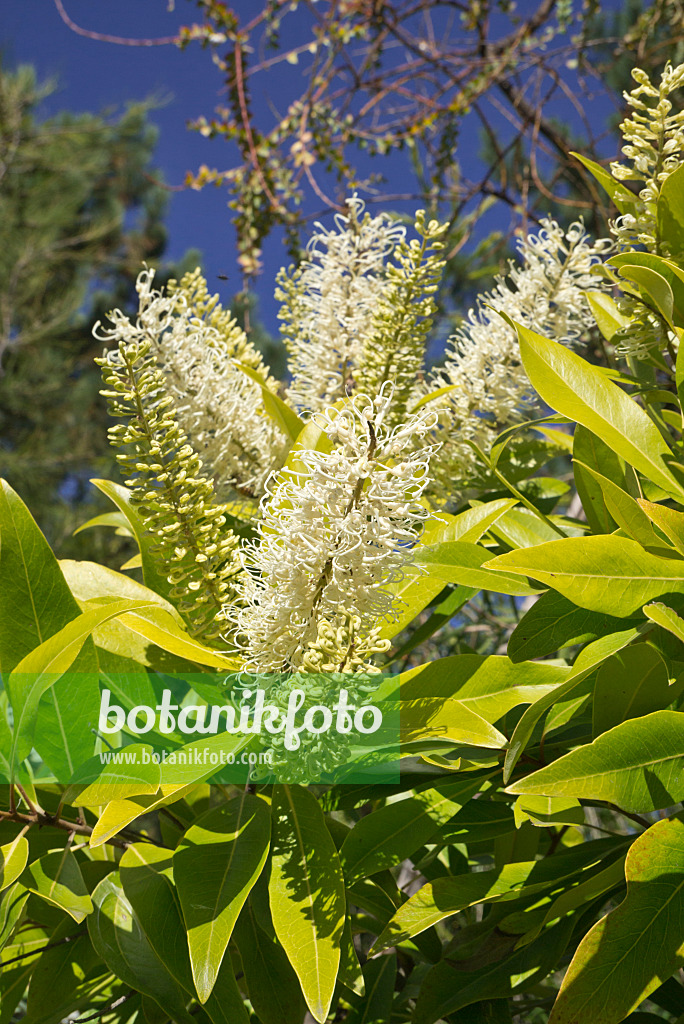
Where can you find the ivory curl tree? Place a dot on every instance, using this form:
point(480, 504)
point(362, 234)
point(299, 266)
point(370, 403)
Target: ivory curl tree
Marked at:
point(528, 865)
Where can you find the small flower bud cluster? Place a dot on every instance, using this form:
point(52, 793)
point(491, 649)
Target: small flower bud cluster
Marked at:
point(197, 552)
point(334, 535)
point(329, 302)
point(654, 138)
point(394, 348)
point(545, 293)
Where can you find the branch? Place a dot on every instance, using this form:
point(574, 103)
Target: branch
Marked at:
point(108, 1009)
point(42, 949)
point(103, 38)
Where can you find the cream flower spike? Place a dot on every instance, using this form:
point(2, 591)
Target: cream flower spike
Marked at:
point(218, 406)
point(335, 534)
point(483, 356)
point(329, 301)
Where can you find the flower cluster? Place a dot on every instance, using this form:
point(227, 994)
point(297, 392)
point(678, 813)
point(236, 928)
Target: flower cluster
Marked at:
point(334, 532)
point(654, 138)
point(200, 349)
point(329, 302)
point(544, 293)
point(196, 550)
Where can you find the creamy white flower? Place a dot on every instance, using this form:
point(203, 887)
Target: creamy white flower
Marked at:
point(483, 356)
point(329, 301)
point(334, 533)
point(218, 406)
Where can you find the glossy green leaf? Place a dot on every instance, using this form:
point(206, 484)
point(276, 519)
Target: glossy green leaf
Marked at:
point(668, 520)
point(117, 520)
point(215, 866)
point(462, 562)
point(121, 497)
point(575, 388)
point(393, 832)
point(605, 574)
point(636, 947)
point(619, 193)
point(375, 1006)
point(35, 601)
point(467, 526)
point(543, 811)
point(41, 669)
point(628, 514)
point(13, 858)
point(448, 988)
point(608, 317)
point(552, 623)
point(120, 941)
point(281, 413)
point(446, 896)
point(57, 878)
point(665, 268)
point(488, 685)
point(588, 889)
point(638, 765)
point(590, 451)
point(666, 617)
point(11, 908)
point(307, 897)
point(274, 991)
point(670, 212)
point(654, 289)
point(587, 660)
point(64, 980)
point(631, 683)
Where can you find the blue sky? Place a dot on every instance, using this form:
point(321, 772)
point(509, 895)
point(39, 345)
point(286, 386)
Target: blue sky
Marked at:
point(94, 76)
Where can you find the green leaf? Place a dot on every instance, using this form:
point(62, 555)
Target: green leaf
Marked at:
point(307, 897)
point(608, 317)
point(64, 979)
point(631, 683)
point(665, 268)
point(586, 662)
point(543, 811)
point(488, 685)
point(619, 193)
point(11, 908)
point(35, 601)
point(590, 451)
point(57, 878)
point(120, 941)
point(552, 623)
point(462, 562)
point(605, 574)
point(215, 866)
point(654, 289)
point(637, 946)
point(274, 991)
point(587, 890)
point(448, 988)
point(281, 413)
point(446, 896)
point(41, 669)
point(13, 858)
point(628, 514)
point(393, 832)
point(665, 617)
point(670, 212)
point(467, 526)
point(375, 1007)
point(115, 519)
point(575, 388)
point(668, 520)
point(121, 497)
point(638, 765)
